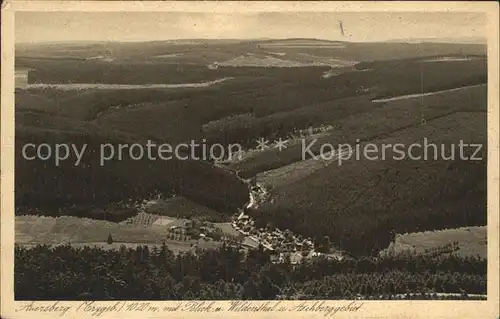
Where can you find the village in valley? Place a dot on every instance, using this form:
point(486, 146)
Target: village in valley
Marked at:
point(242, 232)
point(160, 220)
point(282, 245)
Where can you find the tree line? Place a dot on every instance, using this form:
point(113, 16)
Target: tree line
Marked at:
point(69, 273)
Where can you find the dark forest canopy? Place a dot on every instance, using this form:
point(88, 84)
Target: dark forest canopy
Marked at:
point(64, 272)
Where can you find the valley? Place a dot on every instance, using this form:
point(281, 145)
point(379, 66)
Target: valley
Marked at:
point(269, 207)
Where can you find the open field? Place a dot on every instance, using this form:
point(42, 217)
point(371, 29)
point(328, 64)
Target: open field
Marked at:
point(294, 172)
point(66, 229)
point(276, 61)
point(88, 104)
point(472, 241)
point(81, 232)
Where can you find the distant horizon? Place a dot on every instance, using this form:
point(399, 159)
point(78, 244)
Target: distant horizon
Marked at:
point(457, 40)
point(47, 27)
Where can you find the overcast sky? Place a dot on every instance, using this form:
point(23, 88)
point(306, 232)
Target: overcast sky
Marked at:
point(145, 26)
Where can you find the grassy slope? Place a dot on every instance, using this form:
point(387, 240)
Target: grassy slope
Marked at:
point(472, 241)
point(390, 51)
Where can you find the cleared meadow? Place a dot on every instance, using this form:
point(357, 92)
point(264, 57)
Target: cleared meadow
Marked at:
point(81, 232)
point(472, 241)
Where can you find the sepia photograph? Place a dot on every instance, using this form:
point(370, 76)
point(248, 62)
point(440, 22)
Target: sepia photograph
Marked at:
point(250, 156)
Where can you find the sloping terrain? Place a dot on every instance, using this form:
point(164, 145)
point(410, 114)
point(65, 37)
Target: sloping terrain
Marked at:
point(358, 204)
point(290, 60)
point(471, 241)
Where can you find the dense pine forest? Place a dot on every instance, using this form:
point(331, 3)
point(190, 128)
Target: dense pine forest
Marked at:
point(68, 273)
point(105, 96)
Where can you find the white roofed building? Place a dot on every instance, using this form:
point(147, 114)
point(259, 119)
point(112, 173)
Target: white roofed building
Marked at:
point(21, 78)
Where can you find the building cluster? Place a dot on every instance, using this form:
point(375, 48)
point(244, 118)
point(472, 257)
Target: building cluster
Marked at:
point(283, 244)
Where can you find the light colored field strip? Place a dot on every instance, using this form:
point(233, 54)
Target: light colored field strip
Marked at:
point(411, 96)
point(103, 86)
point(472, 240)
point(299, 170)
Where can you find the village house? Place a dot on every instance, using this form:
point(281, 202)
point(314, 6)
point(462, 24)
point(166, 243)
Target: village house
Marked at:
point(21, 78)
